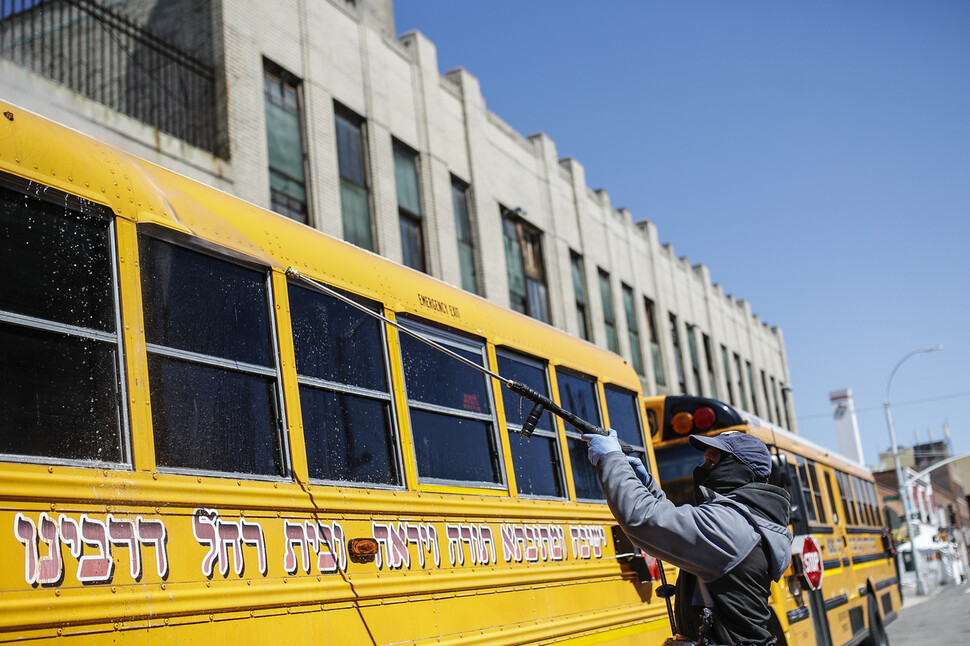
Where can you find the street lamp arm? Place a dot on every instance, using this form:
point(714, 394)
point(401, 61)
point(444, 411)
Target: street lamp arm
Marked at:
point(929, 348)
point(911, 480)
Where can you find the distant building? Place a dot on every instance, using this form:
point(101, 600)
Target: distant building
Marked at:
point(319, 112)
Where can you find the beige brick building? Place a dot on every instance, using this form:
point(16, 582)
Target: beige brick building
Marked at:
point(317, 110)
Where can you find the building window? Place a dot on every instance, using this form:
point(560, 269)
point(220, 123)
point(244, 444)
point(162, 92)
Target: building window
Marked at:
point(62, 394)
point(751, 388)
point(450, 405)
point(341, 363)
point(678, 356)
point(711, 377)
point(656, 356)
point(774, 393)
point(463, 231)
point(609, 317)
point(284, 143)
point(579, 293)
point(764, 389)
point(695, 360)
point(212, 371)
point(742, 394)
point(784, 402)
point(525, 267)
point(633, 330)
point(537, 461)
point(409, 206)
point(727, 375)
point(354, 192)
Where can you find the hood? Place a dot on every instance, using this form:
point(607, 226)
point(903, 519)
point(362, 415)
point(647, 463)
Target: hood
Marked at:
point(768, 508)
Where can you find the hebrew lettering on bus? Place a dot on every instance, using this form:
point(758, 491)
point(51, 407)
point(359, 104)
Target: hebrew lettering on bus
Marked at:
point(219, 534)
point(323, 540)
point(532, 543)
point(588, 541)
point(478, 538)
point(89, 541)
point(394, 544)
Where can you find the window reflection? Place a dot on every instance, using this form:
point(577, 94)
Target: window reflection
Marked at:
point(577, 394)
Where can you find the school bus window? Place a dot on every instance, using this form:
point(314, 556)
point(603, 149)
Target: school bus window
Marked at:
point(625, 419)
point(577, 393)
point(451, 413)
point(342, 367)
point(850, 511)
point(831, 489)
point(863, 498)
point(538, 467)
point(873, 504)
point(212, 371)
point(60, 350)
point(816, 491)
point(807, 491)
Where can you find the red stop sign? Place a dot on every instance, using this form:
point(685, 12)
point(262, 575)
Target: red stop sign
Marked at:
point(807, 550)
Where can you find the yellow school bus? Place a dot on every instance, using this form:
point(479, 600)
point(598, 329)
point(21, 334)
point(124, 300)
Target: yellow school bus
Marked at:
point(200, 446)
point(842, 587)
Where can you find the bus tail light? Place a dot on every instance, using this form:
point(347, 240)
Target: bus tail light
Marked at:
point(704, 418)
point(683, 423)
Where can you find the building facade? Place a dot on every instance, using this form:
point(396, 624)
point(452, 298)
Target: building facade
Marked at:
point(320, 112)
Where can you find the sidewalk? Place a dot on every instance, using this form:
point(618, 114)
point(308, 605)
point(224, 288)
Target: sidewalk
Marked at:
point(911, 599)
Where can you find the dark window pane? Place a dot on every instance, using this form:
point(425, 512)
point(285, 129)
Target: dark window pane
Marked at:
point(355, 214)
point(624, 415)
point(517, 407)
point(584, 474)
point(406, 179)
point(412, 243)
point(59, 396)
point(284, 140)
point(453, 448)
point(201, 304)
point(213, 419)
point(350, 159)
point(578, 396)
point(433, 377)
point(335, 341)
point(536, 465)
point(676, 464)
point(348, 437)
point(55, 263)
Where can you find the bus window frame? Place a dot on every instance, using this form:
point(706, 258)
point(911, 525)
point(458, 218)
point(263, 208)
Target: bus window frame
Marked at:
point(572, 433)
point(348, 389)
point(453, 340)
point(281, 434)
point(512, 354)
point(59, 198)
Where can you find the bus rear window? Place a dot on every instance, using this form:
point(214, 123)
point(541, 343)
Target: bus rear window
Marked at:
point(676, 464)
point(60, 351)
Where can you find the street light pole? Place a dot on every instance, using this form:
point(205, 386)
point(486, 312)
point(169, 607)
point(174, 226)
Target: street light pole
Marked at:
point(904, 490)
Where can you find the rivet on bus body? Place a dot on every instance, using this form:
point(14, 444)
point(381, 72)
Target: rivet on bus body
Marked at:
point(117, 626)
point(35, 166)
point(57, 593)
point(53, 173)
point(208, 584)
point(50, 469)
point(252, 613)
point(156, 508)
point(114, 588)
point(70, 178)
point(60, 631)
point(238, 483)
point(163, 586)
point(212, 617)
point(199, 480)
point(53, 506)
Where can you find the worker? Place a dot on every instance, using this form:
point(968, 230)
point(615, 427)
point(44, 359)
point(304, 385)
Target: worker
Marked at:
point(730, 545)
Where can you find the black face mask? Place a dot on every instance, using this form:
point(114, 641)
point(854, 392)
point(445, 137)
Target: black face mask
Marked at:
point(729, 474)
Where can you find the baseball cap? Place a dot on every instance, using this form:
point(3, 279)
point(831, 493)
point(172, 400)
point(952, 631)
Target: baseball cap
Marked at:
point(746, 448)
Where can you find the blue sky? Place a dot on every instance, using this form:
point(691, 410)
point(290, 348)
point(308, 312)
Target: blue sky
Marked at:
point(815, 156)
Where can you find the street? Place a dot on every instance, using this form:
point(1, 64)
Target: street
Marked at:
point(942, 617)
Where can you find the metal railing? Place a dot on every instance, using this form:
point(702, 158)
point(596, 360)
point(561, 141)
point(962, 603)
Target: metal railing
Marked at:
point(107, 57)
